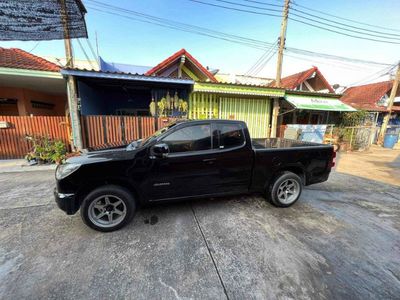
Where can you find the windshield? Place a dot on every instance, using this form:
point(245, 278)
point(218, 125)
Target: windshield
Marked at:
point(156, 134)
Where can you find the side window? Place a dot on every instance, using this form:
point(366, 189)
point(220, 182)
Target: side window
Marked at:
point(230, 135)
point(193, 138)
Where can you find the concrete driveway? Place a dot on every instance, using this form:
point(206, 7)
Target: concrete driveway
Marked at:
point(340, 241)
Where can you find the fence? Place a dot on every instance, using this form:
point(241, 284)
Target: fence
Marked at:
point(346, 138)
point(96, 131)
point(115, 130)
point(13, 142)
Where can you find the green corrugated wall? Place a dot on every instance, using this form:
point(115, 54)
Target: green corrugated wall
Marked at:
point(203, 106)
point(254, 111)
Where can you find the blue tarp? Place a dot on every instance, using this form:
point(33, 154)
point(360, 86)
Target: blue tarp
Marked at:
point(124, 68)
point(310, 133)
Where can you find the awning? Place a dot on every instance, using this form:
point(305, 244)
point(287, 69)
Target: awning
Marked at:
point(237, 89)
point(318, 103)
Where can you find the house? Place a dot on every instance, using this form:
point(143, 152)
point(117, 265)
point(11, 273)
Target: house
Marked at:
point(30, 85)
point(182, 64)
point(310, 80)
point(213, 99)
point(309, 99)
point(373, 97)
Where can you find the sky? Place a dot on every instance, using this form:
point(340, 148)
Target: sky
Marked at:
point(129, 41)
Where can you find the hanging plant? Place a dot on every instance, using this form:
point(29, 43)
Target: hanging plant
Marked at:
point(152, 107)
point(176, 101)
point(183, 105)
point(162, 105)
point(169, 102)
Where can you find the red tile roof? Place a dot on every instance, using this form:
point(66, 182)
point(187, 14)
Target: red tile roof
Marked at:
point(20, 59)
point(292, 81)
point(165, 63)
point(367, 96)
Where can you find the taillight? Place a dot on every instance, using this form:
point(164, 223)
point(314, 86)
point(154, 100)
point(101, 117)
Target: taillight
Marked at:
point(333, 161)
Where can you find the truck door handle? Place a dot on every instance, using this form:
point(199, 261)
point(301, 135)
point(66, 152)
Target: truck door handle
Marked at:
point(209, 160)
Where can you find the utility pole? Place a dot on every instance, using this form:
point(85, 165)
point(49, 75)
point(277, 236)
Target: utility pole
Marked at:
point(390, 105)
point(71, 83)
point(282, 40)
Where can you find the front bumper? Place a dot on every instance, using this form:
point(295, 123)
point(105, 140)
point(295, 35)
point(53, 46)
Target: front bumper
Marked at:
point(66, 202)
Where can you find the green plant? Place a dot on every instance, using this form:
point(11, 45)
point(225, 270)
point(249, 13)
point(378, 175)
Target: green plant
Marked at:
point(353, 118)
point(46, 150)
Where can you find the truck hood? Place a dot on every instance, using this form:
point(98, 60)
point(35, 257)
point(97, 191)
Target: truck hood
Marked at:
point(103, 156)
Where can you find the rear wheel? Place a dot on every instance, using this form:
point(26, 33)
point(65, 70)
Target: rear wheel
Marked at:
point(286, 189)
point(108, 208)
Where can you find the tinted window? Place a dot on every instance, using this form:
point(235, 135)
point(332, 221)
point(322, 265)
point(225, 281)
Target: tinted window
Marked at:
point(193, 138)
point(231, 135)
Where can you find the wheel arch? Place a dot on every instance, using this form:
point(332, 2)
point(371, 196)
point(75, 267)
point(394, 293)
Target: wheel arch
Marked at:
point(296, 169)
point(90, 186)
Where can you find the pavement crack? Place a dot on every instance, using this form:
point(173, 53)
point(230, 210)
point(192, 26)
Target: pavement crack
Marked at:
point(170, 288)
point(25, 206)
point(209, 251)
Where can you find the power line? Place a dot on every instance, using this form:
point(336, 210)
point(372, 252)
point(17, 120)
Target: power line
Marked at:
point(253, 43)
point(264, 3)
point(249, 6)
point(91, 49)
point(374, 76)
point(84, 52)
point(249, 44)
point(266, 61)
point(260, 60)
point(368, 33)
point(342, 33)
point(345, 19)
point(236, 9)
point(34, 47)
point(180, 24)
point(334, 57)
point(340, 23)
point(334, 30)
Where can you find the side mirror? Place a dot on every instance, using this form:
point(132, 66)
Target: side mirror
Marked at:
point(160, 150)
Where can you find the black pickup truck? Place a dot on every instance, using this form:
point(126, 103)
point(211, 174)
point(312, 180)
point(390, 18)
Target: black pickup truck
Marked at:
point(187, 159)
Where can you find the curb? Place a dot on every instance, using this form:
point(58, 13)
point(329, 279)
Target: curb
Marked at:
point(18, 169)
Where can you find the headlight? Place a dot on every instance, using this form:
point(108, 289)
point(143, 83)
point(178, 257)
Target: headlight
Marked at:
point(66, 170)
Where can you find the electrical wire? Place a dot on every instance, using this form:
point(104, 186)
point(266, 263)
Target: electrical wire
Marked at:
point(375, 76)
point(34, 47)
point(342, 33)
point(92, 50)
point(260, 60)
point(340, 23)
point(249, 6)
point(334, 30)
point(266, 61)
point(345, 19)
point(180, 24)
point(84, 52)
point(249, 42)
point(264, 3)
point(236, 9)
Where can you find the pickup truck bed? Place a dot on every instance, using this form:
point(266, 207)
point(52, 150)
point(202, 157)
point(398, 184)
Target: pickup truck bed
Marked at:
point(279, 143)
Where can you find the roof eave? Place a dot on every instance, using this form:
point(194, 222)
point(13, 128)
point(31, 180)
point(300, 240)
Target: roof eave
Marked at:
point(125, 76)
point(30, 73)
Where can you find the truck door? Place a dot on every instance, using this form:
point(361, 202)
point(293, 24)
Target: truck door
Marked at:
point(234, 157)
point(190, 167)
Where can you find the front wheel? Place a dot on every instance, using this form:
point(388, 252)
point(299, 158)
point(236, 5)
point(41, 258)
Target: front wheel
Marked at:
point(286, 189)
point(108, 208)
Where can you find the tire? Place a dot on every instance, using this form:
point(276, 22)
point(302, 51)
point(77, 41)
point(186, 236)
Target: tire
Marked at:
point(285, 190)
point(108, 208)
